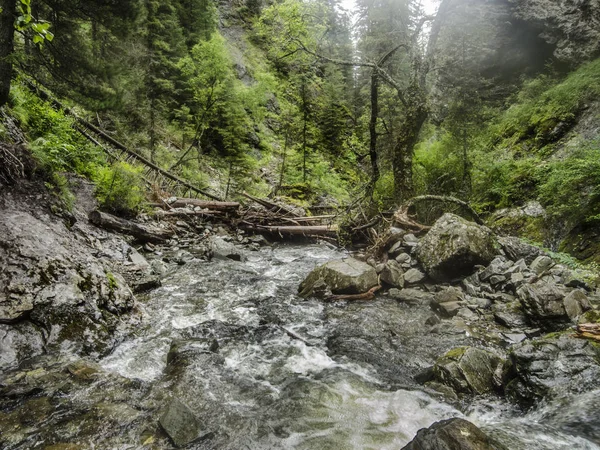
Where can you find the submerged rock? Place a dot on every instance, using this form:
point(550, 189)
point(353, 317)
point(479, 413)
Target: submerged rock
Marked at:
point(454, 246)
point(452, 434)
point(180, 423)
point(347, 276)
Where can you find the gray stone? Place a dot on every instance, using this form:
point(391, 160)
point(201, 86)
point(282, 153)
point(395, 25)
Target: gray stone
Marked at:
point(576, 303)
point(454, 246)
point(452, 434)
point(543, 303)
point(136, 258)
point(469, 370)
point(180, 423)
point(403, 258)
point(347, 276)
point(554, 365)
point(517, 249)
point(158, 267)
point(392, 274)
point(396, 248)
point(432, 320)
point(411, 296)
point(448, 309)
point(496, 268)
point(450, 294)
point(541, 264)
point(413, 276)
point(571, 27)
point(497, 279)
point(221, 249)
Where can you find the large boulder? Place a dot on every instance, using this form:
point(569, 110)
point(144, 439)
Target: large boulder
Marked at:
point(469, 370)
point(346, 276)
point(551, 306)
point(452, 434)
point(454, 246)
point(551, 366)
point(51, 278)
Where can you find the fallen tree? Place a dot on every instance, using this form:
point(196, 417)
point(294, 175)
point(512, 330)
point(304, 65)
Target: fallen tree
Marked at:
point(140, 232)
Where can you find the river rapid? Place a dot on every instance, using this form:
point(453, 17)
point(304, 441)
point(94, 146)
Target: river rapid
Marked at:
point(262, 368)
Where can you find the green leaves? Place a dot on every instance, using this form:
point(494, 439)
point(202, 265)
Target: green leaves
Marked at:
point(26, 22)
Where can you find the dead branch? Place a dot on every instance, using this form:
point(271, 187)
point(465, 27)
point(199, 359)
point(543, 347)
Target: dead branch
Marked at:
point(369, 295)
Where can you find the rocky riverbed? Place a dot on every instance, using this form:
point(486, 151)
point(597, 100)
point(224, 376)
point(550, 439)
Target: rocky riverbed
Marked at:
point(218, 350)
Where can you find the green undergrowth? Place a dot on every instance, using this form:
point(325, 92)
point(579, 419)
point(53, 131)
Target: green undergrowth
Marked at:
point(513, 160)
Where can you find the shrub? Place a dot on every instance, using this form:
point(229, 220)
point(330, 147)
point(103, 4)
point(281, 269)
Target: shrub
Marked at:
point(119, 188)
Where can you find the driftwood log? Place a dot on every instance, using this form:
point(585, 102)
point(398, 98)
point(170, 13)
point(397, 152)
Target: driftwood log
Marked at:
point(589, 331)
point(204, 204)
point(369, 295)
point(141, 233)
point(306, 231)
point(279, 209)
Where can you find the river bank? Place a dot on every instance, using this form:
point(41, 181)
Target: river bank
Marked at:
point(253, 364)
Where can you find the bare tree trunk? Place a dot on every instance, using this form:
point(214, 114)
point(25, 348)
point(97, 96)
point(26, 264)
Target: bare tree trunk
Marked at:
point(7, 36)
point(373, 131)
point(404, 150)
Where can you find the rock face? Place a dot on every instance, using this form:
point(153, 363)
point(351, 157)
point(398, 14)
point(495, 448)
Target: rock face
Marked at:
point(347, 276)
point(454, 246)
point(550, 306)
point(469, 370)
point(51, 279)
point(452, 434)
point(572, 26)
point(551, 366)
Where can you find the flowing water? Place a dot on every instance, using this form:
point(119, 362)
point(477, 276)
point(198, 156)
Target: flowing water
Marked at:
point(288, 373)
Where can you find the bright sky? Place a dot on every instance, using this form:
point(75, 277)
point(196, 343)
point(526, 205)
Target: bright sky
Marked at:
point(429, 5)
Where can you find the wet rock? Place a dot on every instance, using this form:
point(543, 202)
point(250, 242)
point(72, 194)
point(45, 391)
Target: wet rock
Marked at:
point(137, 259)
point(570, 26)
point(541, 264)
point(180, 423)
point(392, 274)
point(413, 276)
point(183, 257)
point(158, 267)
point(510, 315)
point(145, 283)
point(411, 296)
point(448, 302)
point(452, 434)
point(517, 249)
point(554, 365)
point(469, 370)
point(449, 309)
point(221, 249)
point(347, 276)
point(450, 294)
point(576, 303)
point(454, 246)
point(546, 304)
point(50, 275)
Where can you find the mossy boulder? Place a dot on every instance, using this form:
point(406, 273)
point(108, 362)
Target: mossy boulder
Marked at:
point(469, 370)
point(452, 434)
point(454, 246)
point(346, 276)
point(551, 366)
